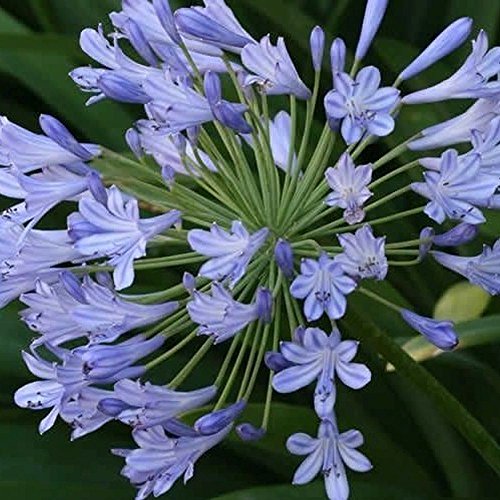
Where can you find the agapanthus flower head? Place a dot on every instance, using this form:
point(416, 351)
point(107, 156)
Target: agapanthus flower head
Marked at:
point(258, 192)
point(349, 188)
point(361, 105)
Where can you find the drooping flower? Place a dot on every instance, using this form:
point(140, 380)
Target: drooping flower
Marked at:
point(229, 252)
point(28, 151)
point(146, 405)
point(349, 186)
point(160, 460)
point(361, 105)
point(324, 285)
point(215, 421)
point(457, 189)
point(440, 333)
point(320, 357)
point(214, 24)
point(248, 432)
point(221, 316)
point(474, 79)
point(446, 42)
point(364, 255)
point(328, 454)
point(169, 150)
point(481, 270)
point(272, 68)
point(108, 225)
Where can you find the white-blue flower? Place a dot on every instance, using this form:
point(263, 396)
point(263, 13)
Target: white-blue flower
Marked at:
point(329, 454)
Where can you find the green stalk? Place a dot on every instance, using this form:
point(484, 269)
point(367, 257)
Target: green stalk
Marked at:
point(168, 354)
point(191, 365)
point(394, 173)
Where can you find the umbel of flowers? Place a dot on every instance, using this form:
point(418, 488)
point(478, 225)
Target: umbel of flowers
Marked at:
point(252, 205)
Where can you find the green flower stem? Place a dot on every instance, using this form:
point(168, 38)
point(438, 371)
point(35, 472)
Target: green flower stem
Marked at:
point(355, 68)
point(313, 173)
point(293, 136)
point(394, 153)
point(362, 146)
point(250, 363)
point(324, 230)
point(191, 62)
point(378, 298)
point(390, 251)
point(404, 263)
point(394, 173)
point(167, 354)
point(409, 243)
point(470, 428)
point(258, 364)
point(227, 361)
point(276, 337)
point(171, 261)
point(389, 197)
point(311, 107)
point(320, 212)
point(234, 372)
point(191, 365)
point(290, 313)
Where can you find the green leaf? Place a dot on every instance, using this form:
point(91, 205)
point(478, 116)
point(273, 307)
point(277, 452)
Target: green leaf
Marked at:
point(462, 302)
point(472, 333)
point(470, 428)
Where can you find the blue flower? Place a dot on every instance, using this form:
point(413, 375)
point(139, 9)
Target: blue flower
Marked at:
point(169, 150)
point(349, 186)
point(338, 55)
point(230, 252)
point(214, 24)
point(329, 453)
point(222, 317)
point(70, 310)
point(316, 356)
point(79, 368)
point(482, 270)
point(457, 189)
point(273, 70)
point(473, 80)
point(374, 13)
point(364, 255)
point(248, 432)
point(111, 227)
point(440, 333)
point(324, 285)
point(29, 151)
point(458, 129)
point(446, 42)
point(161, 460)
point(361, 105)
point(146, 405)
point(81, 412)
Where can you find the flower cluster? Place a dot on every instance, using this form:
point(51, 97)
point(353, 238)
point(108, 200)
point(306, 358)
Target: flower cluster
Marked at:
point(229, 195)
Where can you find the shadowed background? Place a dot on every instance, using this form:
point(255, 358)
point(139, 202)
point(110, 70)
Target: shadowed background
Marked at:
point(416, 454)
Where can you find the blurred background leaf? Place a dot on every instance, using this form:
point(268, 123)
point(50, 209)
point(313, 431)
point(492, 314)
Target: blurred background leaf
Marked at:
point(417, 455)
